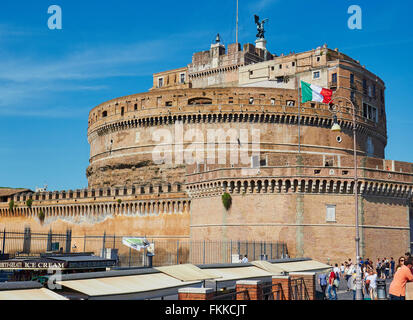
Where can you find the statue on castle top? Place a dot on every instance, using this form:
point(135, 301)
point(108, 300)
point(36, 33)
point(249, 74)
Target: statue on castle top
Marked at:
point(260, 26)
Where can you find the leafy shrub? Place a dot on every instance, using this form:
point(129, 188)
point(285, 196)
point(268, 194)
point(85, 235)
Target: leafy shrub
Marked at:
point(226, 200)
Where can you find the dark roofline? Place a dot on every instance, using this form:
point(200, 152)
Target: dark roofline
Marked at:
point(19, 285)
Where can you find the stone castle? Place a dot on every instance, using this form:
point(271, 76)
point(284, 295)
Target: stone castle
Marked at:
point(297, 185)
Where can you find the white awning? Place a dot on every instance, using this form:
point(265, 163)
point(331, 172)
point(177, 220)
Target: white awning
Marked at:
point(186, 272)
point(30, 294)
point(123, 285)
point(224, 274)
point(303, 266)
point(272, 268)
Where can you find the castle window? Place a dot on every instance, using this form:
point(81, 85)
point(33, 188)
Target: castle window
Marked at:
point(290, 103)
point(160, 82)
point(293, 63)
point(334, 78)
point(281, 66)
point(351, 78)
point(122, 111)
point(182, 78)
point(318, 59)
point(272, 101)
point(168, 103)
point(272, 68)
point(136, 106)
point(104, 114)
point(370, 112)
point(330, 213)
point(251, 72)
point(316, 74)
point(251, 100)
point(364, 86)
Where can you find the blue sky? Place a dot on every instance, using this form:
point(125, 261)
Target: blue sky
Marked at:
point(50, 79)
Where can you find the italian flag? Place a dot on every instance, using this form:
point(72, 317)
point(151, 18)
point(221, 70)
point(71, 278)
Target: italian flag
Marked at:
point(311, 92)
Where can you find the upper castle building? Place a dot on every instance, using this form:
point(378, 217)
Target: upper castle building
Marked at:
point(296, 184)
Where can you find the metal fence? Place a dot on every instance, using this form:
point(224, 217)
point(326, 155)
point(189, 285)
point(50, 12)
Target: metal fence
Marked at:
point(168, 251)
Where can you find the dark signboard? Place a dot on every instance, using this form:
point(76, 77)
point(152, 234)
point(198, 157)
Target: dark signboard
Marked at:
point(15, 264)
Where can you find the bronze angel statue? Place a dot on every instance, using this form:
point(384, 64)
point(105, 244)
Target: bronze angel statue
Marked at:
point(260, 26)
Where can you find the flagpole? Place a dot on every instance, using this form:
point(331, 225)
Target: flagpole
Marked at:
point(299, 110)
point(236, 26)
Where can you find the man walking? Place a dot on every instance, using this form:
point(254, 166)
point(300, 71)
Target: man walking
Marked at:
point(322, 280)
point(331, 287)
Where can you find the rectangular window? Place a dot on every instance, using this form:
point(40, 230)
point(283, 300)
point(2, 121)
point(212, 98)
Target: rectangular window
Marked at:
point(272, 101)
point(293, 63)
point(230, 100)
point(290, 103)
point(281, 66)
point(352, 96)
point(331, 213)
point(136, 106)
point(334, 78)
point(251, 100)
point(316, 74)
point(370, 112)
point(255, 161)
point(182, 78)
point(272, 68)
point(364, 86)
point(160, 82)
point(351, 78)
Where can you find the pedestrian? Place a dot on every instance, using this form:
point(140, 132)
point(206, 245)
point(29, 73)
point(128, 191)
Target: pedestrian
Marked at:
point(349, 273)
point(331, 286)
point(400, 262)
point(383, 269)
point(245, 259)
point(351, 284)
point(342, 267)
point(378, 267)
point(372, 279)
point(337, 271)
point(387, 268)
point(392, 265)
point(322, 280)
point(397, 290)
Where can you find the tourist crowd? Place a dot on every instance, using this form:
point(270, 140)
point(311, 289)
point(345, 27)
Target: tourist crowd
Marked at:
point(371, 272)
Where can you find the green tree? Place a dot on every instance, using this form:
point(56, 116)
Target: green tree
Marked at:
point(41, 215)
point(29, 202)
point(226, 200)
point(11, 205)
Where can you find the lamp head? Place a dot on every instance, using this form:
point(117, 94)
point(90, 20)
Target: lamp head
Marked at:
point(336, 126)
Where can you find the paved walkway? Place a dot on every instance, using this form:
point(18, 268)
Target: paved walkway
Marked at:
point(343, 294)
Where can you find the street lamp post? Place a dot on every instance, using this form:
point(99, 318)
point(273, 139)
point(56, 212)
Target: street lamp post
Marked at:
point(336, 127)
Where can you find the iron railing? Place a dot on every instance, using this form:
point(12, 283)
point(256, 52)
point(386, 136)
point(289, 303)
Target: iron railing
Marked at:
point(298, 290)
point(168, 251)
